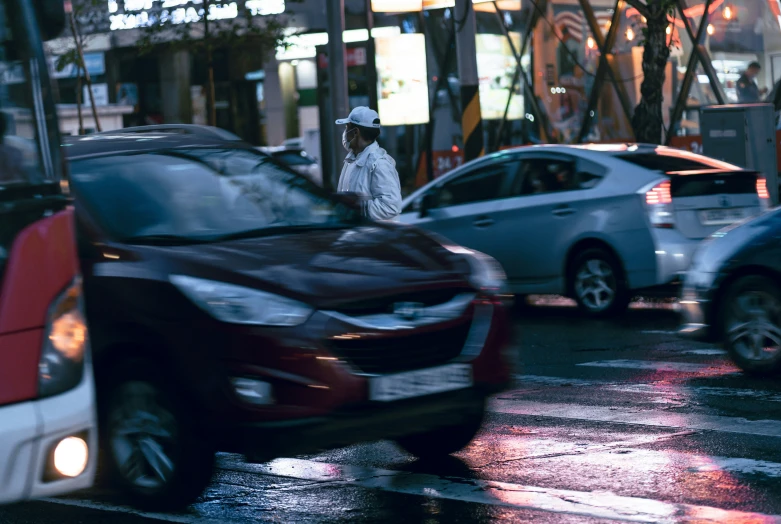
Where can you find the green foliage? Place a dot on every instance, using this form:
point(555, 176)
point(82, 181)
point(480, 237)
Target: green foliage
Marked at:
point(86, 13)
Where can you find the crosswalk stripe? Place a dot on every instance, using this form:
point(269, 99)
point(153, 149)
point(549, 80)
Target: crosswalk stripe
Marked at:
point(684, 367)
point(707, 352)
point(642, 417)
point(678, 390)
point(589, 504)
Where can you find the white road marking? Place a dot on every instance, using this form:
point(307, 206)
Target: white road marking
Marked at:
point(684, 367)
point(102, 506)
point(676, 390)
point(584, 503)
point(642, 417)
point(714, 352)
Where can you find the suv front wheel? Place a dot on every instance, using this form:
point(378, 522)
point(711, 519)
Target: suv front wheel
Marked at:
point(152, 448)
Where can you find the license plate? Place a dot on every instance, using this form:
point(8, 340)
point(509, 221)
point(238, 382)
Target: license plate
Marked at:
point(715, 217)
point(420, 382)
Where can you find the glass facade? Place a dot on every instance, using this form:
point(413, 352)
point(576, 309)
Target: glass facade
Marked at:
point(577, 71)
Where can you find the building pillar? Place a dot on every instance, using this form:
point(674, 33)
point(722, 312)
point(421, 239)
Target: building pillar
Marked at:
point(175, 78)
point(274, 105)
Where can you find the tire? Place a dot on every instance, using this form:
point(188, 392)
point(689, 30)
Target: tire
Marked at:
point(597, 284)
point(441, 442)
point(751, 322)
point(150, 443)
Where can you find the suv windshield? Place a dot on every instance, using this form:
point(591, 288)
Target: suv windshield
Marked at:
point(200, 195)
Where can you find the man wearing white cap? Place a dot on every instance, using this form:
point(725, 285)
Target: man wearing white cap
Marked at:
point(369, 171)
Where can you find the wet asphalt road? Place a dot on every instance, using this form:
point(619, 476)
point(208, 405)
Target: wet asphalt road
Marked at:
point(607, 420)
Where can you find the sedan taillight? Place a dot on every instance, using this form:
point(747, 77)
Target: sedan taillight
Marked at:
point(659, 202)
point(763, 193)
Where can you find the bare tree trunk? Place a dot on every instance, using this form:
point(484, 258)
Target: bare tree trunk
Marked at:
point(80, 49)
point(78, 99)
point(648, 122)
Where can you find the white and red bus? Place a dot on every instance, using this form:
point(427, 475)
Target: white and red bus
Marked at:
point(48, 430)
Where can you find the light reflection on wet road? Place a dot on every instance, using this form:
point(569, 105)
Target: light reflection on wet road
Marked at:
point(606, 421)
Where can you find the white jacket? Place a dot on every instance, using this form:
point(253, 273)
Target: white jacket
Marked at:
point(372, 174)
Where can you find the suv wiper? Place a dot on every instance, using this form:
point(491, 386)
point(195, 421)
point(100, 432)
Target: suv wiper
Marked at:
point(163, 240)
point(277, 230)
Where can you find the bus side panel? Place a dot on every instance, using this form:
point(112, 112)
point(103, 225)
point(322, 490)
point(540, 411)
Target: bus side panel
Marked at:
point(41, 263)
point(19, 353)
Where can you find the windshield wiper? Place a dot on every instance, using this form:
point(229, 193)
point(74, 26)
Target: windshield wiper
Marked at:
point(277, 230)
point(163, 240)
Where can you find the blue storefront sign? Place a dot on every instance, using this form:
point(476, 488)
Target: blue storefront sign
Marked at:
point(95, 63)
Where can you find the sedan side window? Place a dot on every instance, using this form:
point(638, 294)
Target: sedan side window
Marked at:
point(486, 183)
point(543, 175)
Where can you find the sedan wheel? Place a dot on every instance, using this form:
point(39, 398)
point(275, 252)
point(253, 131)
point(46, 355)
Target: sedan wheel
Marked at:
point(752, 324)
point(153, 449)
point(597, 284)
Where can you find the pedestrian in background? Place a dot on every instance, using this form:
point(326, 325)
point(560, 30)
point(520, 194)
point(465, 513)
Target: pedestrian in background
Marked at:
point(748, 90)
point(369, 171)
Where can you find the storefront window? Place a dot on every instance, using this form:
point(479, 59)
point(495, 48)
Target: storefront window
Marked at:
point(740, 32)
point(565, 64)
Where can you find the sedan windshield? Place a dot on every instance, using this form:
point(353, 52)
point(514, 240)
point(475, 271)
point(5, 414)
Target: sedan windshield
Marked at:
point(200, 195)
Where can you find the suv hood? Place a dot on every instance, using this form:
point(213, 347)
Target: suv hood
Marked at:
point(326, 266)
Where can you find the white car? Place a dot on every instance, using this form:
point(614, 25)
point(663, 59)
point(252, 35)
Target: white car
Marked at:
point(596, 223)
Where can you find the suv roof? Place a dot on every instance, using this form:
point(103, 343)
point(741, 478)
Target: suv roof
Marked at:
point(100, 144)
point(181, 129)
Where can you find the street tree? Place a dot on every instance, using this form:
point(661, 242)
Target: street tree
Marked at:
point(647, 121)
point(205, 27)
point(79, 14)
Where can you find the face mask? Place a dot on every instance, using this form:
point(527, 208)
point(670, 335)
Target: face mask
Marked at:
point(345, 142)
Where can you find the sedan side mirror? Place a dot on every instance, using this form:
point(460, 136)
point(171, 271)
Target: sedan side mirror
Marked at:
point(427, 203)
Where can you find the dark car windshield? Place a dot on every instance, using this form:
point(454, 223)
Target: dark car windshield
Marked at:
point(294, 158)
point(200, 194)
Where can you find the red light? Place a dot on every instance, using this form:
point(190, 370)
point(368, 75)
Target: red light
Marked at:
point(454, 149)
point(659, 194)
point(762, 188)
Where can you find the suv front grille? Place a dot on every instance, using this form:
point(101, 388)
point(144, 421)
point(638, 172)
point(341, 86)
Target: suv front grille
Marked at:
point(403, 353)
point(381, 305)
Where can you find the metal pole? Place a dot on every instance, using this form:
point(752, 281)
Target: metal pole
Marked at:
point(471, 119)
point(337, 73)
point(371, 55)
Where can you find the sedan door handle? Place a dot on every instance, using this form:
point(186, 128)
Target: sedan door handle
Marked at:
point(483, 222)
point(563, 211)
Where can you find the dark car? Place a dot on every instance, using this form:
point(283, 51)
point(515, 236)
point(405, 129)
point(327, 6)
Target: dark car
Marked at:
point(235, 306)
point(732, 293)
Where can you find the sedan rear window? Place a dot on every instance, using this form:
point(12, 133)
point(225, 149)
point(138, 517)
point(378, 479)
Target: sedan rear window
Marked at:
point(673, 161)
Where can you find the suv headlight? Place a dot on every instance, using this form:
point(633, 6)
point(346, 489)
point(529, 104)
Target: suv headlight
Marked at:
point(241, 305)
point(61, 366)
point(487, 274)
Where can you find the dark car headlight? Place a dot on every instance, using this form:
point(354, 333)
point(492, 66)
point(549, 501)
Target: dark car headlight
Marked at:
point(486, 273)
point(242, 305)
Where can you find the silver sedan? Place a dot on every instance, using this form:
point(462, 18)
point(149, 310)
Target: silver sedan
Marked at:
point(596, 223)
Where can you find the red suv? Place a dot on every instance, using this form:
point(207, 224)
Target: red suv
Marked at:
point(235, 306)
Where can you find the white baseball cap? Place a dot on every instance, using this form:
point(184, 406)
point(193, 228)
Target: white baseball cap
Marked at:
point(362, 116)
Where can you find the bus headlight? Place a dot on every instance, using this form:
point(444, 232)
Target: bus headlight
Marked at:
point(64, 345)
